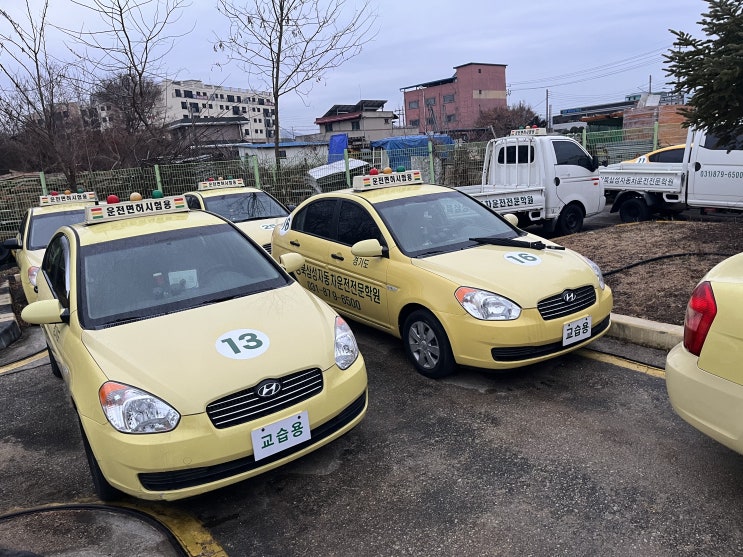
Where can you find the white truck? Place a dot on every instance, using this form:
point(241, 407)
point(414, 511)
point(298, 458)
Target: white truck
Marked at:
point(542, 179)
point(709, 177)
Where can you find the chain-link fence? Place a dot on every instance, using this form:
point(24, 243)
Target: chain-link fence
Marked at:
point(291, 183)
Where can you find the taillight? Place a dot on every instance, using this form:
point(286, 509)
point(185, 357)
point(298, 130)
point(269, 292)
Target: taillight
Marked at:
point(700, 312)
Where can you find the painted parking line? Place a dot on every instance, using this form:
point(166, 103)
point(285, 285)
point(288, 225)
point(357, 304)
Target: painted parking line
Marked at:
point(25, 361)
point(623, 362)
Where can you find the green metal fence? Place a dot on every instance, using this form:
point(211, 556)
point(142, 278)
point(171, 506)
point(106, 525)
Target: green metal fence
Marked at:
point(459, 164)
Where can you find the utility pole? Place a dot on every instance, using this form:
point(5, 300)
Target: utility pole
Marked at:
point(547, 108)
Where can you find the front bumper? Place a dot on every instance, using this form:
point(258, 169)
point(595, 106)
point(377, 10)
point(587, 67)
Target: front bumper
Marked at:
point(196, 457)
point(708, 402)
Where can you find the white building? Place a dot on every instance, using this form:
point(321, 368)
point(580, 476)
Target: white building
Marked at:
point(193, 99)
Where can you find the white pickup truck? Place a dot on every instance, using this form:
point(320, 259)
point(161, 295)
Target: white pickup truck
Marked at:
point(546, 179)
point(709, 177)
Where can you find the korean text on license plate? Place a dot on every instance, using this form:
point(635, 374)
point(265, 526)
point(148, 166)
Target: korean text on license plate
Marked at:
point(576, 331)
point(273, 438)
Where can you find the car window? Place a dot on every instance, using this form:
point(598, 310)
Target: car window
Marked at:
point(316, 218)
point(170, 271)
point(436, 223)
point(511, 155)
point(671, 155)
point(42, 226)
point(193, 202)
point(568, 153)
point(56, 268)
point(241, 207)
point(356, 224)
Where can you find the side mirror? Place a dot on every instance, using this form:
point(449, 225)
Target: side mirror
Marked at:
point(512, 219)
point(368, 248)
point(291, 262)
point(12, 243)
point(44, 312)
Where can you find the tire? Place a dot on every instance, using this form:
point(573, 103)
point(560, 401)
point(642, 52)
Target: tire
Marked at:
point(104, 490)
point(56, 371)
point(634, 209)
point(570, 220)
point(427, 345)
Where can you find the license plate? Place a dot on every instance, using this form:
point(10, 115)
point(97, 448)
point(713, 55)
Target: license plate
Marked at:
point(273, 438)
point(576, 331)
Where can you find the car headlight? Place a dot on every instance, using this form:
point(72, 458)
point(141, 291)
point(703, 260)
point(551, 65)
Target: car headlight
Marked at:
point(597, 271)
point(131, 410)
point(32, 272)
point(486, 305)
point(346, 349)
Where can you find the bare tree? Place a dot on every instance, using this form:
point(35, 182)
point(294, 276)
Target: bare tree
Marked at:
point(129, 47)
point(39, 104)
point(288, 45)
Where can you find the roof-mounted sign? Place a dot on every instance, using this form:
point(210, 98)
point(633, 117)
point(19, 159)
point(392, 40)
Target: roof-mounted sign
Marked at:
point(386, 180)
point(530, 131)
point(133, 209)
point(62, 198)
point(216, 184)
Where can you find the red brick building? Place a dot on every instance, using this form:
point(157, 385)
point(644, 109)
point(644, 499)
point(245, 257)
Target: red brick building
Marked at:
point(456, 102)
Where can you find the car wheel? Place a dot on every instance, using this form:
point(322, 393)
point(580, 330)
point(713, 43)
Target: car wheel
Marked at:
point(104, 490)
point(53, 363)
point(570, 220)
point(427, 345)
point(634, 210)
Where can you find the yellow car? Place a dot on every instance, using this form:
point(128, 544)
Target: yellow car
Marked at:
point(673, 153)
point(704, 376)
point(431, 265)
point(38, 225)
point(254, 211)
point(192, 358)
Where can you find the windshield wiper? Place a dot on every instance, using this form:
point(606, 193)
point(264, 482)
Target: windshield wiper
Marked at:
point(510, 242)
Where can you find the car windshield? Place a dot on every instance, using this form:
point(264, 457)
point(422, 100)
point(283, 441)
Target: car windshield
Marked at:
point(144, 276)
point(439, 223)
point(241, 207)
point(42, 227)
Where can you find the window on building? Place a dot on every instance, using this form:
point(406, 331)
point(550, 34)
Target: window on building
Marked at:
point(177, 92)
point(269, 133)
point(244, 110)
point(415, 122)
point(431, 101)
point(236, 111)
point(451, 118)
point(246, 131)
point(184, 105)
point(194, 107)
point(328, 127)
point(210, 105)
point(203, 105)
point(188, 94)
point(230, 98)
point(221, 107)
point(239, 99)
point(386, 120)
point(448, 98)
point(355, 126)
point(413, 104)
point(261, 101)
point(430, 121)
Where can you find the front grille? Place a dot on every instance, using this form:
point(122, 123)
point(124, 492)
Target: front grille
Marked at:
point(555, 306)
point(246, 405)
point(181, 479)
point(267, 247)
point(518, 353)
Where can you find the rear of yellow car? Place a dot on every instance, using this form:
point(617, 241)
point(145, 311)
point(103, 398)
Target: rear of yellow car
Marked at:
point(704, 373)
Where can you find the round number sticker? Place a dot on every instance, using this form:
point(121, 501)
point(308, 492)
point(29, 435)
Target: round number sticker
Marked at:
point(242, 344)
point(286, 226)
point(522, 258)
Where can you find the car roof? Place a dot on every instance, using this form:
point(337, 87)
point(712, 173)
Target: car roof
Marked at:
point(138, 226)
point(61, 208)
point(380, 195)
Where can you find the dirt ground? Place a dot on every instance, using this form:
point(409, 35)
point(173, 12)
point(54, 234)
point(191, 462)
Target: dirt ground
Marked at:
point(651, 267)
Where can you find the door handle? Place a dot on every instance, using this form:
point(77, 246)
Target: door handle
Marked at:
point(294, 243)
point(336, 256)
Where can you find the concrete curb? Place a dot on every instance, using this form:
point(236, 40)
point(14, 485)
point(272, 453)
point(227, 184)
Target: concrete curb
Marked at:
point(10, 331)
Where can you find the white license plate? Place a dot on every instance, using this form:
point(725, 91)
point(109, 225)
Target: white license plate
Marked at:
point(576, 331)
point(273, 438)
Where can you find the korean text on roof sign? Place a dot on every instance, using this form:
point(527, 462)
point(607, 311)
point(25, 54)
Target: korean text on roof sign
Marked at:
point(130, 209)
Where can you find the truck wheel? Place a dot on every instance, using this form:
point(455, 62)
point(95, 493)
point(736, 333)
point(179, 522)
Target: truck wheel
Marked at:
point(570, 220)
point(427, 345)
point(634, 210)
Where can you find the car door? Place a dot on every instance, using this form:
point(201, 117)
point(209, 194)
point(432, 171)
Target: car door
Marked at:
point(574, 175)
point(715, 175)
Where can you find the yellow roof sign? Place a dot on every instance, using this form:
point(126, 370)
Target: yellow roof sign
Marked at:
point(131, 209)
point(215, 184)
point(386, 180)
point(66, 198)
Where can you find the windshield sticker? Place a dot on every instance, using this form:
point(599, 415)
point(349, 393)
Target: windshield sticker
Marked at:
point(268, 226)
point(286, 226)
point(522, 258)
point(242, 344)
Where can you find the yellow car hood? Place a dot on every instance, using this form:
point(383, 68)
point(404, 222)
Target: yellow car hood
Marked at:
point(175, 357)
point(260, 230)
point(496, 269)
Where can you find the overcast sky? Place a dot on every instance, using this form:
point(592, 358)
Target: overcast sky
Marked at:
point(581, 51)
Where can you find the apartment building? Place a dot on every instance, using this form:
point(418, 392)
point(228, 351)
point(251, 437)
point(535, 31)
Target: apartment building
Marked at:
point(189, 100)
point(455, 103)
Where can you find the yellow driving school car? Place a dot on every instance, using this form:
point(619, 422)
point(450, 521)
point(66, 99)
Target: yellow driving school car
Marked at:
point(192, 358)
point(38, 225)
point(433, 266)
point(704, 374)
point(254, 211)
